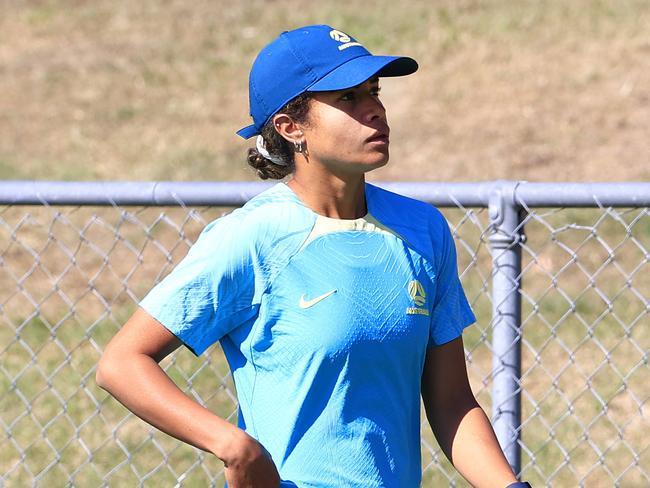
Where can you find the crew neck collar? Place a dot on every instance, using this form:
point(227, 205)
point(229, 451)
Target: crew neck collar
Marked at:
point(332, 219)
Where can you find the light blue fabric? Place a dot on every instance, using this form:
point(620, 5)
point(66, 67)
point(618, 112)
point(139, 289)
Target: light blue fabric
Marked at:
point(332, 388)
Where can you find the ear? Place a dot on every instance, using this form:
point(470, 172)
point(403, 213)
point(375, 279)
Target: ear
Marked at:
point(287, 128)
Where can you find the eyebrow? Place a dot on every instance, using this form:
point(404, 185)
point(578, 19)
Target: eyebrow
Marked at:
point(373, 81)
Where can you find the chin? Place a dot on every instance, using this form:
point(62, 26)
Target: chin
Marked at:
point(379, 162)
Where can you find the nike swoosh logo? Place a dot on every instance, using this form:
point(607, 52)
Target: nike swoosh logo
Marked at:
point(310, 303)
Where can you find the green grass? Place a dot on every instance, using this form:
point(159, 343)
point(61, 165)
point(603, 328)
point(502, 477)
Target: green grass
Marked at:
point(584, 365)
point(70, 415)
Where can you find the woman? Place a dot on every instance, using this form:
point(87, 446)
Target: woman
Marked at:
point(337, 304)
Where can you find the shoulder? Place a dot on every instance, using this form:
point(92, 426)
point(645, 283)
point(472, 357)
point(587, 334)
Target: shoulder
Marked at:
point(420, 223)
point(264, 217)
point(264, 233)
point(381, 195)
point(397, 207)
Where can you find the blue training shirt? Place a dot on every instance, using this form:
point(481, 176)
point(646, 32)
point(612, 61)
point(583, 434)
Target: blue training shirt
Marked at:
point(325, 325)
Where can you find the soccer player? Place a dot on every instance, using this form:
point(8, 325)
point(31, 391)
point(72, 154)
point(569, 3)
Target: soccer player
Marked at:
point(337, 303)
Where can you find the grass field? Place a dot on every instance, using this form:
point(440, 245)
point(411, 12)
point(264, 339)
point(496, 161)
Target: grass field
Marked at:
point(548, 91)
point(584, 354)
point(150, 90)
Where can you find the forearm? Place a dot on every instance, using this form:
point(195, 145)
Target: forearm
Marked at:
point(138, 382)
point(468, 440)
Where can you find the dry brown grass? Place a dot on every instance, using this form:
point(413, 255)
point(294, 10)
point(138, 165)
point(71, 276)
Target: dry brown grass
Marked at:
point(151, 90)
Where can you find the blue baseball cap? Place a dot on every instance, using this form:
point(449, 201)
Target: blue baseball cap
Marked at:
point(313, 58)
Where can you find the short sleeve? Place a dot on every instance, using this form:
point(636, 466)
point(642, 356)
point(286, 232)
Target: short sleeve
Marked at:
point(451, 311)
point(211, 291)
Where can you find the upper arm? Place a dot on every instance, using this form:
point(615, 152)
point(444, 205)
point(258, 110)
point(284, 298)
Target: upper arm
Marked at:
point(212, 290)
point(444, 378)
point(142, 334)
point(451, 312)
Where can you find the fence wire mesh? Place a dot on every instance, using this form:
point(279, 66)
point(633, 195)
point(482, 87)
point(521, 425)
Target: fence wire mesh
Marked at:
point(70, 276)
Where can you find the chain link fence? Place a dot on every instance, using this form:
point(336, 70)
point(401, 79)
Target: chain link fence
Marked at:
point(71, 274)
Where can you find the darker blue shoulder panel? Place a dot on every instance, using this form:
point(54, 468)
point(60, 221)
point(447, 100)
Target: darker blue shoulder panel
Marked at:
point(419, 223)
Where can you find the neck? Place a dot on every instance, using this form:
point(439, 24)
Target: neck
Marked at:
point(331, 195)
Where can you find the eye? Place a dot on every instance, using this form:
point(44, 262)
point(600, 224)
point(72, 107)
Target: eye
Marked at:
point(348, 96)
point(375, 91)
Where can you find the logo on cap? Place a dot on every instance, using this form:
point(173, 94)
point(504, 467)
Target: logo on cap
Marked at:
point(342, 37)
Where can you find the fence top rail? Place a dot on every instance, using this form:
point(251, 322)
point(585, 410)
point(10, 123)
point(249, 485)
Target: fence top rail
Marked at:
point(471, 194)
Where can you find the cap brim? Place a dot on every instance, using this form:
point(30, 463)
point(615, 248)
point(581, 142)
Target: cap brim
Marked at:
point(358, 70)
point(353, 73)
point(248, 131)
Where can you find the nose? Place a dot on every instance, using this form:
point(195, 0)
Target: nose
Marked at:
point(374, 109)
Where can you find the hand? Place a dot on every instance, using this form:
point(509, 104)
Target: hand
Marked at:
point(249, 465)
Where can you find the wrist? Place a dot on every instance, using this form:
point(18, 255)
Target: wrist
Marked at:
point(224, 442)
point(236, 447)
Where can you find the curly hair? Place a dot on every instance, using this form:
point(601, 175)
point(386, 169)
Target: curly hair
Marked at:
point(277, 145)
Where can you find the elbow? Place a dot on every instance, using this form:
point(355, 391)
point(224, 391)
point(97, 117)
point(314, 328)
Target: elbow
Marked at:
point(105, 373)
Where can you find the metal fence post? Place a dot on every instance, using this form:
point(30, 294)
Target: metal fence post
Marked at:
point(504, 240)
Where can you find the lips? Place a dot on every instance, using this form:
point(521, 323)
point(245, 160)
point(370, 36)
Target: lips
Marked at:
point(379, 136)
